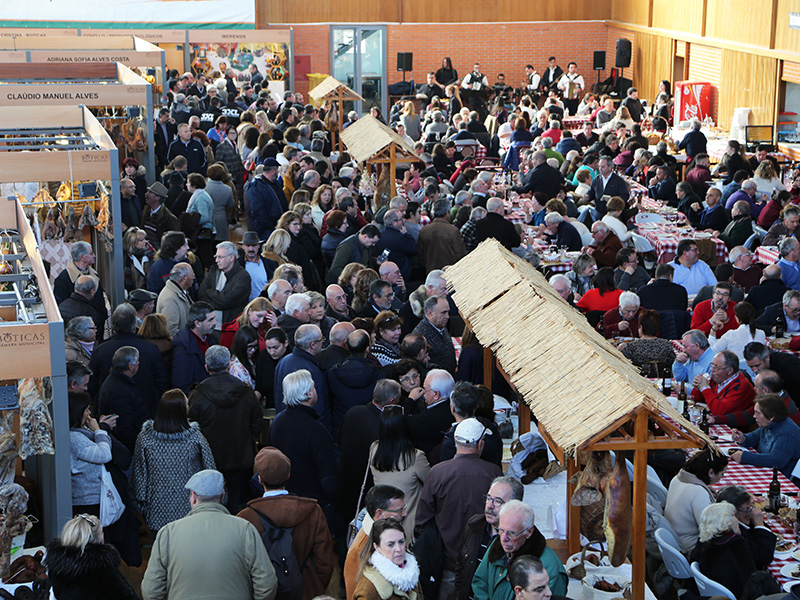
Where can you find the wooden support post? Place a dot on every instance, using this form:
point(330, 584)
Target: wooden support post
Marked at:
point(523, 417)
point(392, 169)
point(573, 512)
point(488, 367)
point(639, 505)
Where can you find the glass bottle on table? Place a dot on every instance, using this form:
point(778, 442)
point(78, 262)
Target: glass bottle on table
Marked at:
point(682, 401)
point(704, 424)
point(774, 492)
point(780, 325)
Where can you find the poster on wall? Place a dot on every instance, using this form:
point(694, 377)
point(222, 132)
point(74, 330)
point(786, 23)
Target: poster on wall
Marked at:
point(175, 14)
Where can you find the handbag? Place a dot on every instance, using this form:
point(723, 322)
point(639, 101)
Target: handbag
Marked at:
point(111, 505)
point(352, 528)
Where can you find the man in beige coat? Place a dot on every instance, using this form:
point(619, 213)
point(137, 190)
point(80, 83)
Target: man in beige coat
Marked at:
point(173, 300)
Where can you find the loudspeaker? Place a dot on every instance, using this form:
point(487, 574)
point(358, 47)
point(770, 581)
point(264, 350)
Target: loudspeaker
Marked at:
point(623, 53)
point(599, 60)
point(405, 61)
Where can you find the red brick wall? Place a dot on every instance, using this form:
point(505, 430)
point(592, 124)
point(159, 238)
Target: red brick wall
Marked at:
point(499, 47)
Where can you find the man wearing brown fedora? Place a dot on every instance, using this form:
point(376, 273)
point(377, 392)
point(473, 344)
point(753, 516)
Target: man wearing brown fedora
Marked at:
point(250, 258)
point(157, 218)
point(311, 540)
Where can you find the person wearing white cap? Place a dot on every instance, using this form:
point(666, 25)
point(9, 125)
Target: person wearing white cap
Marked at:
point(209, 553)
point(454, 492)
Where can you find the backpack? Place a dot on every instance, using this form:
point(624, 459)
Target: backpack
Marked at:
point(278, 542)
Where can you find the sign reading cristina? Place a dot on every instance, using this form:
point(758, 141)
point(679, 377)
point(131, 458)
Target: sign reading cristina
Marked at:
point(224, 14)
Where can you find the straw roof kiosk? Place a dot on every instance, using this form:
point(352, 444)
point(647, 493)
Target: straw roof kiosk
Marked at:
point(370, 141)
point(333, 89)
point(585, 394)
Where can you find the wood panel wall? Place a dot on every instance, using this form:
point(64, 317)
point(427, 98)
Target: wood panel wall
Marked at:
point(747, 80)
point(742, 21)
point(636, 12)
point(424, 11)
point(786, 40)
point(790, 72)
point(653, 60)
point(679, 15)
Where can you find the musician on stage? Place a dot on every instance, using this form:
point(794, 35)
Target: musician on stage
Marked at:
point(571, 85)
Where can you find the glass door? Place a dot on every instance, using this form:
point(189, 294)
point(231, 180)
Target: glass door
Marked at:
point(358, 56)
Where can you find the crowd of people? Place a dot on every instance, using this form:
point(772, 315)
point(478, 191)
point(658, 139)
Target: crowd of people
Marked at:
point(330, 315)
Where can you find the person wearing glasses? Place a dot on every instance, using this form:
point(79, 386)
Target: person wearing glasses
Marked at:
point(481, 530)
point(751, 524)
point(716, 313)
point(517, 536)
point(725, 389)
point(453, 493)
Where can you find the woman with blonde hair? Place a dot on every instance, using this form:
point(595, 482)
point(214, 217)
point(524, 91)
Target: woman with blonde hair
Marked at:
point(289, 177)
point(410, 121)
point(274, 249)
point(81, 566)
point(299, 196)
point(259, 313)
point(300, 250)
point(137, 258)
point(766, 180)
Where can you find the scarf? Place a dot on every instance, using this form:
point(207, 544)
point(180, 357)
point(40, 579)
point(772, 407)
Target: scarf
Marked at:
point(403, 578)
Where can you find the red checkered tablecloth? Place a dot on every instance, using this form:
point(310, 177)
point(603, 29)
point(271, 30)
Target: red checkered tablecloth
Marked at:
point(665, 240)
point(574, 122)
point(767, 255)
point(756, 480)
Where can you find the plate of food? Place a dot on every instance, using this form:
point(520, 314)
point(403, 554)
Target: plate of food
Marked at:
point(791, 570)
point(784, 548)
point(702, 235)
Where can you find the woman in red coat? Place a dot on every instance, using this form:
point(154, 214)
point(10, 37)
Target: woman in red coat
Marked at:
point(259, 314)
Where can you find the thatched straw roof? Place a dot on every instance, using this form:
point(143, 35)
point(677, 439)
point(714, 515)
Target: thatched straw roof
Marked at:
point(330, 85)
point(576, 383)
point(368, 136)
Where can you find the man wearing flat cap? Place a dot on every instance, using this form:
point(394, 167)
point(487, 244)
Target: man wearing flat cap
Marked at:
point(209, 553)
point(311, 540)
point(157, 219)
point(144, 301)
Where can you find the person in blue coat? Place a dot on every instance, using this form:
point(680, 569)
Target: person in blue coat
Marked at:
point(777, 439)
point(307, 344)
point(265, 205)
point(190, 345)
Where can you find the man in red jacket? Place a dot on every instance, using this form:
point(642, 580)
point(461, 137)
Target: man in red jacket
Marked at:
point(725, 389)
point(716, 313)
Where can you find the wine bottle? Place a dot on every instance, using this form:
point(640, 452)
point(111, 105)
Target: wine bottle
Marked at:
point(780, 325)
point(682, 399)
point(774, 492)
point(704, 425)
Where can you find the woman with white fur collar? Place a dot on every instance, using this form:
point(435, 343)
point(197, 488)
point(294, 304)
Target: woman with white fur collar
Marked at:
point(388, 571)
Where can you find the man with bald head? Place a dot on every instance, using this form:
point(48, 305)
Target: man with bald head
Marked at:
point(337, 351)
point(766, 382)
point(769, 291)
point(278, 293)
point(338, 309)
point(541, 178)
point(496, 226)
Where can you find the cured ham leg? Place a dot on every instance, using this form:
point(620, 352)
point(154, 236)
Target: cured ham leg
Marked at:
point(618, 513)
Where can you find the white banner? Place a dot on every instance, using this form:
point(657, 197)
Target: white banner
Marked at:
point(145, 13)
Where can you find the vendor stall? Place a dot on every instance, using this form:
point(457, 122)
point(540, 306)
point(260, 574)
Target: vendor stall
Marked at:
point(371, 142)
point(141, 56)
point(32, 376)
point(65, 148)
point(588, 399)
point(334, 93)
point(119, 98)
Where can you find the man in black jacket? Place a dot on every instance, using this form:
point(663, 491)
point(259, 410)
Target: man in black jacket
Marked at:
point(542, 178)
point(230, 418)
point(480, 530)
point(759, 358)
point(352, 382)
point(788, 308)
point(79, 303)
point(227, 285)
point(83, 256)
point(769, 291)
point(428, 428)
point(151, 378)
point(121, 396)
point(663, 294)
point(496, 226)
point(607, 183)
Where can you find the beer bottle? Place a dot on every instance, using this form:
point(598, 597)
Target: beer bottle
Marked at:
point(774, 492)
